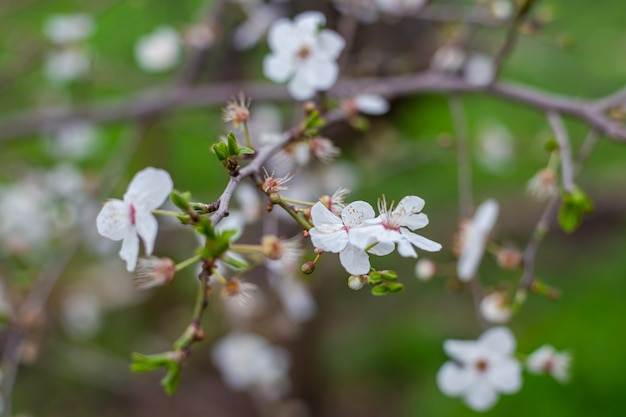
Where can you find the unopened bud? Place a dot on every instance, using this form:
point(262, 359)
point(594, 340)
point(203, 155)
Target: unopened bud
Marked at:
point(153, 272)
point(496, 308)
point(356, 282)
point(308, 267)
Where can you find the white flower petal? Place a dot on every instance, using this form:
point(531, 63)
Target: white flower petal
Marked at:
point(299, 86)
point(453, 379)
point(405, 249)
point(355, 213)
point(320, 72)
point(320, 215)
point(506, 376)
point(463, 351)
point(277, 68)
point(130, 251)
point(329, 242)
point(486, 216)
point(309, 21)
point(147, 228)
point(499, 340)
point(149, 188)
point(281, 34)
point(114, 221)
point(382, 249)
point(331, 43)
point(420, 241)
point(354, 260)
point(481, 397)
point(373, 104)
point(411, 204)
point(364, 236)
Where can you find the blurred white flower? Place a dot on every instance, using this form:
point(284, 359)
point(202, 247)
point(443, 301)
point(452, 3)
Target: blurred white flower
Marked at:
point(81, 313)
point(252, 30)
point(474, 237)
point(496, 147)
point(372, 104)
point(23, 223)
point(68, 28)
point(159, 50)
point(303, 54)
point(546, 360)
point(425, 269)
point(74, 140)
point(248, 362)
point(365, 11)
point(479, 70)
point(66, 65)
point(481, 369)
point(496, 307)
point(399, 6)
point(448, 59)
point(131, 218)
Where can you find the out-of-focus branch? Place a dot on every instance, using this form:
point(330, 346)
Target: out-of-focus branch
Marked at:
point(592, 112)
point(567, 166)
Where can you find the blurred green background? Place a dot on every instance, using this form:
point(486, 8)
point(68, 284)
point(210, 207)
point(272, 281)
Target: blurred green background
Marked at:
point(361, 355)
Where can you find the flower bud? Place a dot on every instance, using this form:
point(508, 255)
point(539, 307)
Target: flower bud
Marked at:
point(495, 307)
point(153, 272)
point(308, 267)
point(356, 282)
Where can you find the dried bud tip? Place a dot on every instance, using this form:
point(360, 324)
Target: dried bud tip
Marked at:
point(153, 272)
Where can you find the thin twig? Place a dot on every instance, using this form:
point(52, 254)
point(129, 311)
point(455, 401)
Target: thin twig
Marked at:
point(461, 134)
point(511, 36)
point(567, 166)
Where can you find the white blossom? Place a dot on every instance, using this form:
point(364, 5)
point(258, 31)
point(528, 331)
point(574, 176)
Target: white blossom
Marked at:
point(425, 269)
point(395, 226)
point(331, 234)
point(66, 65)
point(259, 20)
point(543, 185)
point(372, 104)
point(546, 360)
point(74, 140)
point(496, 307)
point(474, 238)
point(448, 59)
point(481, 369)
point(303, 54)
point(248, 362)
point(68, 28)
point(399, 6)
point(131, 218)
point(479, 70)
point(496, 148)
point(159, 50)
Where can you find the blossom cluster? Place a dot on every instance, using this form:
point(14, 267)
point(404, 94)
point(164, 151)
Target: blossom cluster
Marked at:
point(359, 232)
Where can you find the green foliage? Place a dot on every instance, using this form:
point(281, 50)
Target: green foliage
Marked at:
point(168, 360)
point(181, 200)
point(387, 288)
point(312, 123)
point(228, 153)
point(573, 207)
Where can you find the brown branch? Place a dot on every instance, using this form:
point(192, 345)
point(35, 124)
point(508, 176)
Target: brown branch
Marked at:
point(175, 98)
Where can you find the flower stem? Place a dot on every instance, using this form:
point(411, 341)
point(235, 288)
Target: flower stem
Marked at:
point(184, 264)
point(166, 213)
point(298, 202)
point(239, 248)
point(301, 221)
point(246, 133)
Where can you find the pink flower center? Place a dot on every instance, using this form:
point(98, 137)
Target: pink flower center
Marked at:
point(133, 212)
